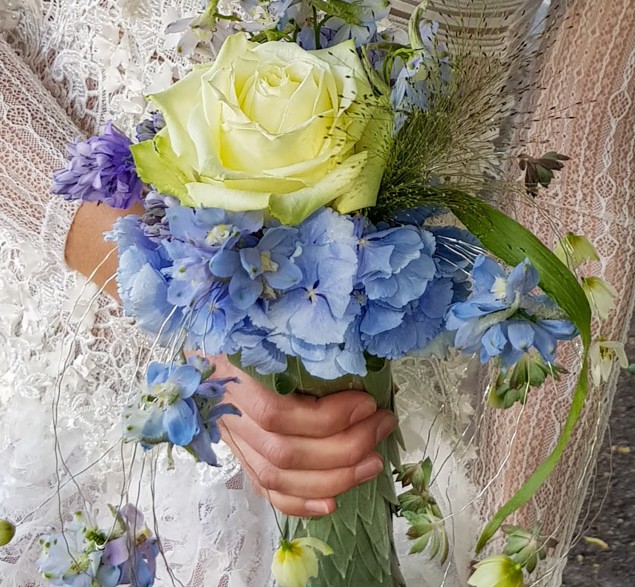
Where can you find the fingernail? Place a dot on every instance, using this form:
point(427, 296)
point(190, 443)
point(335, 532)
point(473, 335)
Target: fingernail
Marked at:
point(364, 410)
point(317, 506)
point(368, 469)
point(386, 426)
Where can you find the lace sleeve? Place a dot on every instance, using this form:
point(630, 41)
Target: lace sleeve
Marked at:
point(33, 132)
point(68, 357)
point(589, 75)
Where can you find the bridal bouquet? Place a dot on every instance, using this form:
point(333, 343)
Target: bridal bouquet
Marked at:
point(315, 206)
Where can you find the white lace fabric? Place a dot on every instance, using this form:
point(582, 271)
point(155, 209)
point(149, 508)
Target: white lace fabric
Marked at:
point(71, 65)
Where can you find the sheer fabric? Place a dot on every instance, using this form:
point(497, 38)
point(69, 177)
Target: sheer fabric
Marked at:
point(71, 65)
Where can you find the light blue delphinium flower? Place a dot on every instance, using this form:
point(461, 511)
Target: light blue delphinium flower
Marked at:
point(180, 405)
point(261, 269)
point(72, 558)
point(362, 23)
point(142, 284)
point(503, 318)
point(198, 235)
point(170, 414)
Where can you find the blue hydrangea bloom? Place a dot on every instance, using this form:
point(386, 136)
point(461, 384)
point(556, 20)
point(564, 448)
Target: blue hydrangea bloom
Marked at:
point(212, 320)
point(142, 284)
point(504, 319)
point(395, 268)
point(421, 322)
point(315, 310)
point(100, 169)
point(262, 269)
point(256, 350)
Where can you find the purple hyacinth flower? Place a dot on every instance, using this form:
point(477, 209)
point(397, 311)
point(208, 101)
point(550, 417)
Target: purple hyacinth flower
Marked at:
point(100, 169)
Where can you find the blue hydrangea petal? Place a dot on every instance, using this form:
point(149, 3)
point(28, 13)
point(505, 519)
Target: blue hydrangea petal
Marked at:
point(379, 318)
point(286, 276)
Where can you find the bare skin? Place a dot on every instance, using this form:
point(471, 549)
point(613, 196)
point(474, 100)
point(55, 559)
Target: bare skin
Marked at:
point(300, 452)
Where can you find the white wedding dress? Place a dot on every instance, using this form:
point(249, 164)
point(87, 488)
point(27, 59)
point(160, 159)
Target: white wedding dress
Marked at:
point(68, 66)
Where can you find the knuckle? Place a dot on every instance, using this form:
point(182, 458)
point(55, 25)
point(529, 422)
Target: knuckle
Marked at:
point(277, 452)
point(269, 476)
point(266, 413)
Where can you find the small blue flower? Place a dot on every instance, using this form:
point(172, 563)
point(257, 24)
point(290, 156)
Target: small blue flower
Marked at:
point(129, 559)
point(148, 128)
point(180, 405)
point(265, 268)
point(100, 169)
point(197, 236)
point(504, 318)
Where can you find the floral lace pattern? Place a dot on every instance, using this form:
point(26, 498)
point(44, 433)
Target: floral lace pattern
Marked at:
point(70, 65)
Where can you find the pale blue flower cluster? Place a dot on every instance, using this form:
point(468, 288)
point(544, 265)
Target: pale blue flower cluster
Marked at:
point(181, 405)
point(330, 291)
point(348, 19)
point(504, 318)
point(84, 556)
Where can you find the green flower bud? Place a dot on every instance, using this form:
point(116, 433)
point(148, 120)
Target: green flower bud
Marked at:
point(7, 532)
point(575, 249)
point(497, 571)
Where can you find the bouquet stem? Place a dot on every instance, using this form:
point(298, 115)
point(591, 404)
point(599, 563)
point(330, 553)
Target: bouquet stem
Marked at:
point(360, 531)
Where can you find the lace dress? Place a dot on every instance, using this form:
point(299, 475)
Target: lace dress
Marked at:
point(66, 67)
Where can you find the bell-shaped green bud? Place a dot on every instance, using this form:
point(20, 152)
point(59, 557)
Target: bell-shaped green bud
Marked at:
point(513, 384)
point(497, 571)
point(575, 249)
point(601, 295)
point(7, 532)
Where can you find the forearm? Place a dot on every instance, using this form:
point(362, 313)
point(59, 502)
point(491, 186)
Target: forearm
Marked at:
point(86, 250)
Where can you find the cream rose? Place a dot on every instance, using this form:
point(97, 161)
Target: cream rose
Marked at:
point(270, 127)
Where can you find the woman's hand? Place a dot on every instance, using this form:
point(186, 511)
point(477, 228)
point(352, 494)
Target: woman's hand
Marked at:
point(300, 451)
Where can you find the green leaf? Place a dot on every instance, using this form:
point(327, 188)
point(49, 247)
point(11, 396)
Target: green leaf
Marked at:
point(512, 242)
